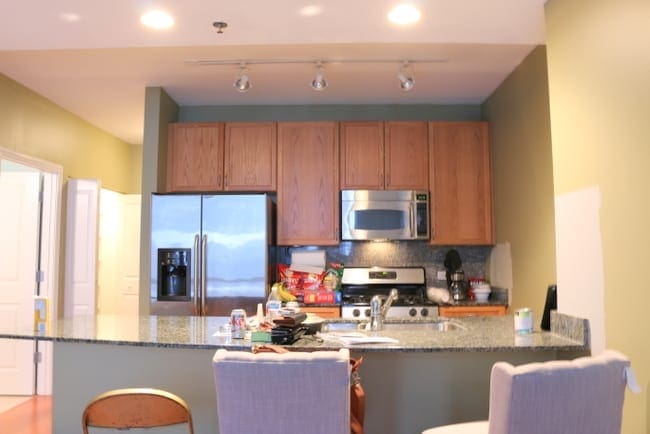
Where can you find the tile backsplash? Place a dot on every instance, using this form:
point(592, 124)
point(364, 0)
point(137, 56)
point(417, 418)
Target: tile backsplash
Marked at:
point(400, 253)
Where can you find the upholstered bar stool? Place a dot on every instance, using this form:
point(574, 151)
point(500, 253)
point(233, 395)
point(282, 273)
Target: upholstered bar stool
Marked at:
point(582, 396)
point(293, 392)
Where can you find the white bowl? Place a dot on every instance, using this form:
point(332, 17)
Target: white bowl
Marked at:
point(481, 295)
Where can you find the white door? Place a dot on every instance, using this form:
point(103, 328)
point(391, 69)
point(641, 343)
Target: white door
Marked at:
point(130, 257)
point(118, 264)
point(19, 194)
point(81, 247)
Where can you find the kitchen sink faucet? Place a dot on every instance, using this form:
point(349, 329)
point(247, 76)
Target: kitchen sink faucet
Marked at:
point(378, 311)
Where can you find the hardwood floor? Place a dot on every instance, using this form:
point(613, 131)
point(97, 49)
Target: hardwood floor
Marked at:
point(31, 417)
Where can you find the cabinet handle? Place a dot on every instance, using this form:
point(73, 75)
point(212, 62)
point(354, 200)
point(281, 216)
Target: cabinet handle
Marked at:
point(225, 181)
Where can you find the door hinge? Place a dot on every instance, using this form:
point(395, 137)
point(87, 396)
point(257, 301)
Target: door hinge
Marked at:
point(38, 357)
point(40, 276)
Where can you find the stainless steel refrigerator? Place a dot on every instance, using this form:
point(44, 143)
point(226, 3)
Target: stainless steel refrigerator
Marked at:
point(209, 253)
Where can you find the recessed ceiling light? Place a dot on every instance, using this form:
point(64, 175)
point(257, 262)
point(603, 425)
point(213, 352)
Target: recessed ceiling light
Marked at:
point(69, 17)
point(404, 14)
point(311, 10)
point(157, 19)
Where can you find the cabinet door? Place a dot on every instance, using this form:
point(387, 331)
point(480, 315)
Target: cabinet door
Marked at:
point(308, 205)
point(323, 311)
point(460, 183)
point(362, 155)
point(195, 157)
point(464, 311)
point(407, 156)
point(250, 157)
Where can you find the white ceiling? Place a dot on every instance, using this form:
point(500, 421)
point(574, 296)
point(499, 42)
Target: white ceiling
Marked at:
point(95, 59)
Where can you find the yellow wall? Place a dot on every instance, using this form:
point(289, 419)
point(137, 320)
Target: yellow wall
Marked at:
point(522, 177)
point(599, 87)
point(32, 125)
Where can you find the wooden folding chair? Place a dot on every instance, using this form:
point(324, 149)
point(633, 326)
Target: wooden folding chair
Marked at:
point(136, 408)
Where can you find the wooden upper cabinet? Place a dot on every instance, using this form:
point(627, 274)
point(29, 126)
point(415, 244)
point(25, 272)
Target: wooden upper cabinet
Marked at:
point(195, 157)
point(362, 155)
point(308, 199)
point(384, 155)
point(460, 183)
point(407, 156)
point(250, 157)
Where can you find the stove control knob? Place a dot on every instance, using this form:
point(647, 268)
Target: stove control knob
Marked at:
point(413, 311)
point(367, 313)
point(424, 311)
point(356, 313)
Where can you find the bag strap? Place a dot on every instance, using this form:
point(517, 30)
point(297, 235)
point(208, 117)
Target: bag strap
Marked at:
point(269, 348)
point(357, 398)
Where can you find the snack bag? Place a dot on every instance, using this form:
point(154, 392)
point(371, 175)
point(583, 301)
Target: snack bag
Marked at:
point(333, 275)
point(291, 280)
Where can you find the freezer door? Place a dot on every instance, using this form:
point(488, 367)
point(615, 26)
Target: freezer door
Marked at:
point(236, 228)
point(175, 224)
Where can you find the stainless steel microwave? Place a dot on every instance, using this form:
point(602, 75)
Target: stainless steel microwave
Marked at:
point(384, 215)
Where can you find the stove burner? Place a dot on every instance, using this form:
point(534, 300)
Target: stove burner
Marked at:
point(408, 294)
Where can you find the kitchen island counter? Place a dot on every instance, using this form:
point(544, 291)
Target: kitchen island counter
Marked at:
point(425, 379)
point(474, 334)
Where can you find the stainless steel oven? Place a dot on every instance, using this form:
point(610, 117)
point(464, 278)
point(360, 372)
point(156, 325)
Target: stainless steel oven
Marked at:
point(384, 215)
point(360, 284)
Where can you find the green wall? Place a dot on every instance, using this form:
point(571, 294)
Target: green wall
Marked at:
point(159, 111)
point(522, 178)
point(34, 126)
point(278, 113)
point(599, 87)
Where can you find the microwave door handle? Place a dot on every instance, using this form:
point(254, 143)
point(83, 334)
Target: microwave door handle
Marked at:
point(197, 275)
point(412, 222)
point(349, 218)
point(204, 264)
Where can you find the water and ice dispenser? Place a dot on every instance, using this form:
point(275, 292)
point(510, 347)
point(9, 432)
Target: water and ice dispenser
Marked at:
point(174, 272)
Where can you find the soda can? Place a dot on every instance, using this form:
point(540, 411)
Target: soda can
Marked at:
point(523, 321)
point(238, 323)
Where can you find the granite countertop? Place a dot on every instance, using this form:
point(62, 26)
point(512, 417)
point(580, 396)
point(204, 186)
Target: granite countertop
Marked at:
point(476, 334)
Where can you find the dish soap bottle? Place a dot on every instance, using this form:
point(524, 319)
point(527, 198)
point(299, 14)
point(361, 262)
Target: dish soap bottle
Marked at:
point(273, 305)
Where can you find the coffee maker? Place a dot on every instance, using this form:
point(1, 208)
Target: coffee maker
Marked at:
point(455, 276)
point(458, 286)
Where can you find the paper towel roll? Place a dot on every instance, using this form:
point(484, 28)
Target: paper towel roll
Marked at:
point(312, 258)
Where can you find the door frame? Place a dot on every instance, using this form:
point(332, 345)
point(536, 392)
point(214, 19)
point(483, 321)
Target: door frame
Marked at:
point(50, 233)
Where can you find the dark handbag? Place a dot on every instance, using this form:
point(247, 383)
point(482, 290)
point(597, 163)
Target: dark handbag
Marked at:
point(357, 394)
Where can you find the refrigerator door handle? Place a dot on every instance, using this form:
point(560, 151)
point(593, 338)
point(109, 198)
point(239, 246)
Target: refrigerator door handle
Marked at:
point(204, 267)
point(197, 275)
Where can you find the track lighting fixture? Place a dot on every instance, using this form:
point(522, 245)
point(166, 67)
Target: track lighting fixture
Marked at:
point(405, 77)
point(319, 83)
point(242, 83)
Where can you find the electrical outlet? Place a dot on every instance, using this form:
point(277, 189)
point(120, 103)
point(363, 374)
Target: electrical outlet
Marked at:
point(441, 275)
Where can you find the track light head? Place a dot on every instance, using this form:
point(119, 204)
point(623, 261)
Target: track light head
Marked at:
point(405, 77)
point(319, 83)
point(242, 83)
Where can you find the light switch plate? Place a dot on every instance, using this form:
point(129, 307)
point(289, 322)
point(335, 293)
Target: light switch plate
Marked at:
point(441, 275)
